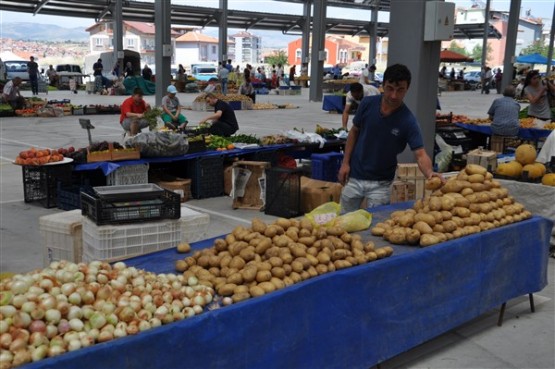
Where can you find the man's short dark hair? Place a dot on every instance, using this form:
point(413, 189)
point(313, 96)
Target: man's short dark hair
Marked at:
point(138, 91)
point(356, 87)
point(509, 91)
point(210, 95)
point(396, 73)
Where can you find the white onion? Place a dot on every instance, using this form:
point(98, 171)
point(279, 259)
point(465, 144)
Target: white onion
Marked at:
point(71, 336)
point(98, 320)
point(5, 325)
point(68, 288)
point(74, 298)
point(119, 332)
point(74, 312)
point(105, 336)
point(8, 311)
point(55, 351)
point(39, 353)
point(51, 331)
point(37, 313)
point(19, 287)
point(18, 344)
point(28, 306)
point(119, 266)
point(6, 357)
point(21, 357)
point(198, 300)
point(74, 345)
point(37, 326)
point(76, 324)
point(19, 300)
point(37, 339)
point(47, 302)
point(55, 291)
point(35, 290)
point(5, 340)
point(53, 315)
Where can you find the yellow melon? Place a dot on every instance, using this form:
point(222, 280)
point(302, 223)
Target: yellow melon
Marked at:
point(535, 170)
point(525, 154)
point(512, 169)
point(549, 179)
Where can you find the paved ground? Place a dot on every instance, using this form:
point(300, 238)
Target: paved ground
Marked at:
point(524, 341)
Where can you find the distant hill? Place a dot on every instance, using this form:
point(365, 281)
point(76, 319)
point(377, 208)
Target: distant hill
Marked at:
point(42, 32)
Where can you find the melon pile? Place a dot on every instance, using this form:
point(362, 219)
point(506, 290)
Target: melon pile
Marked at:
point(467, 203)
point(525, 167)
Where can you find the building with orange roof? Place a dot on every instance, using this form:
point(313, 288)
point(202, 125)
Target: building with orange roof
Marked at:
point(195, 46)
point(338, 51)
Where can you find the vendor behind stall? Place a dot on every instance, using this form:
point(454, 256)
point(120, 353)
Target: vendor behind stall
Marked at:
point(504, 114)
point(11, 94)
point(356, 93)
point(132, 112)
point(171, 107)
point(224, 122)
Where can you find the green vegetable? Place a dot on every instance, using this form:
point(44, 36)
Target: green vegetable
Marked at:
point(151, 117)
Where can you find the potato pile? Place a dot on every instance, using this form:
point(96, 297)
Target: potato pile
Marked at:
point(468, 203)
point(254, 261)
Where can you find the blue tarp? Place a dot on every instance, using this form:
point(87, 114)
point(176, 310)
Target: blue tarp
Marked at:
point(352, 318)
point(533, 59)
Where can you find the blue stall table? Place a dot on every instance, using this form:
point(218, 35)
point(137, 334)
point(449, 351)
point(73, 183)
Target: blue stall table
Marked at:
point(333, 103)
point(351, 318)
point(534, 134)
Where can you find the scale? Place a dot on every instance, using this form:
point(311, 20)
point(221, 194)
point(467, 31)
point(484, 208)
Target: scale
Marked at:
point(86, 124)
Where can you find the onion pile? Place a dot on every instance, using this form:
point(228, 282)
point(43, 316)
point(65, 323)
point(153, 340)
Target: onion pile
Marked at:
point(67, 306)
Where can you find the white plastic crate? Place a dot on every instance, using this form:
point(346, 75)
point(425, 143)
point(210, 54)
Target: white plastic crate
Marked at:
point(128, 175)
point(116, 242)
point(62, 236)
point(194, 225)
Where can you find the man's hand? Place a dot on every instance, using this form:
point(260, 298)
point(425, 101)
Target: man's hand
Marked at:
point(434, 174)
point(343, 174)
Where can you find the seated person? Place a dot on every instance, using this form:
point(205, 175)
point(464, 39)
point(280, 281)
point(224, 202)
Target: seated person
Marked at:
point(211, 87)
point(132, 112)
point(171, 107)
point(247, 89)
point(355, 95)
point(11, 94)
point(504, 114)
point(224, 122)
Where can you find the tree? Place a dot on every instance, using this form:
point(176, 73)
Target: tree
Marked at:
point(456, 48)
point(476, 53)
point(277, 57)
point(535, 48)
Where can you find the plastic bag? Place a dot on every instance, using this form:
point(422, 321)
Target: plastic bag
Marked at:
point(354, 221)
point(325, 214)
point(156, 144)
point(443, 158)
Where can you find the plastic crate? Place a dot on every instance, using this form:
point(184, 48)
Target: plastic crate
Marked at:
point(196, 146)
point(270, 156)
point(40, 182)
point(62, 236)
point(206, 174)
point(326, 166)
point(283, 192)
point(128, 174)
point(68, 197)
point(116, 242)
point(194, 225)
point(166, 206)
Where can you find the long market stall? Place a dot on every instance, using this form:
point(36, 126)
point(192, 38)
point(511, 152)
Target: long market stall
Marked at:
point(355, 317)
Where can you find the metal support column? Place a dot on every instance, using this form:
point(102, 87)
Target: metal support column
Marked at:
point(306, 33)
point(510, 43)
point(551, 42)
point(222, 31)
point(408, 47)
point(164, 48)
point(317, 57)
point(485, 36)
point(372, 57)
point(118, 35)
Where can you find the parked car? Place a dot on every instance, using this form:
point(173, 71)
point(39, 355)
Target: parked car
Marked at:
point(17, 68)
point(473, 77)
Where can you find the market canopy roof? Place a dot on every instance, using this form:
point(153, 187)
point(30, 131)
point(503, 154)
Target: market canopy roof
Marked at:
point(533, 59)
point(453, 57)
point(143, 11)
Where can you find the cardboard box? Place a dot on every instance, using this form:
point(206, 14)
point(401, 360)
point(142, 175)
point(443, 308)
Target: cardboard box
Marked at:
point(179, 186)
point(484, 158)
point(228, 184)
point(409, 172)
point(315, 193)
point(249, 184)
point(402, 191)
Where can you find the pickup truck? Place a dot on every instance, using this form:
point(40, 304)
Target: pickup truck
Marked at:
point(203, 72)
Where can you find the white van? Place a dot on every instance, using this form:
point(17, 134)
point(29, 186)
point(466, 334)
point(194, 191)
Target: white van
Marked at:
point(16, 68)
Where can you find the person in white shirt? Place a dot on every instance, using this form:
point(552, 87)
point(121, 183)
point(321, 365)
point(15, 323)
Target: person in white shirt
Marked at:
point(363, 79)
point(11, 94)
point(355, 95)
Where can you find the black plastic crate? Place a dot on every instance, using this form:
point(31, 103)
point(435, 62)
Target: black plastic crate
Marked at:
point(207, 176)
point(40, 183)
point(283, 192)
point(196, 146)
point(167, 206)
point(69, 196)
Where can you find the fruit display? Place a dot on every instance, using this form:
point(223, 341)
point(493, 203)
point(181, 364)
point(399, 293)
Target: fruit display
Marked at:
point(526, 122)
point(524, 167)
point(219, 143)
point(29, 112)
point(550, 126)
point(34, 156)
point(68, 306)
point(468, 203)
point(244, 138)
point(263, 258)
point(228, 97)
point(276, 139)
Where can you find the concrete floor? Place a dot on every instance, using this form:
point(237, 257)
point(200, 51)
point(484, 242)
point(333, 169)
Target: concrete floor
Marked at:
point(525, 340)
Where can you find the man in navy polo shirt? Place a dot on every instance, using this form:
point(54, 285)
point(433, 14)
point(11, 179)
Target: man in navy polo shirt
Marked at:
point(382, 128)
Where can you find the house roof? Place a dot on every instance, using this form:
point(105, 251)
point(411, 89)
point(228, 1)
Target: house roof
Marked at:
point(346, 43)
point(243, 34)
point(142, 27)
point(196, 37)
